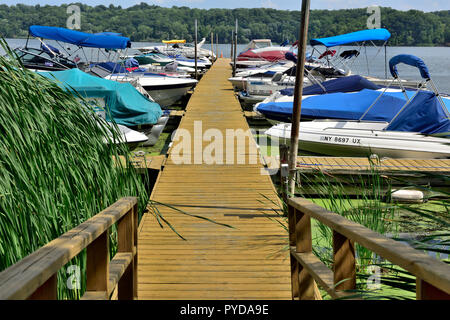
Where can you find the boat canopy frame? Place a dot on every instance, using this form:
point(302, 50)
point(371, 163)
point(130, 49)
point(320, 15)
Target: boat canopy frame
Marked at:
point(423, 85)
point(97, 41)
point(360, 38)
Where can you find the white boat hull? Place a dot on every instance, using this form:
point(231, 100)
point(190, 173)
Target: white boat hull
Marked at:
point(346, 138)
point(164, 90)
point(168, 96)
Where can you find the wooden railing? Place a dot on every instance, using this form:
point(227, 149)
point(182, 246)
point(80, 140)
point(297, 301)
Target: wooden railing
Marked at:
point(35, 276)
point(307, 271)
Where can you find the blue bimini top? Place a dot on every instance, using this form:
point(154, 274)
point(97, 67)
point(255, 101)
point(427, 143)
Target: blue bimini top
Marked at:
point(103, 40)
point(344, 84)
point(358, 36)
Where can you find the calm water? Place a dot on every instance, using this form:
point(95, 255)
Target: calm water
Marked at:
point(369, 62)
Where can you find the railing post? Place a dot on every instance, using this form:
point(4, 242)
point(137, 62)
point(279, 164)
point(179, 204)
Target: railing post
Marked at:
point(135, 250)
point(304, 245)
point(292, 242)
point(126, 243)
point(344, 262)
point(48, 291)
point(97, 264)
point(426, 291)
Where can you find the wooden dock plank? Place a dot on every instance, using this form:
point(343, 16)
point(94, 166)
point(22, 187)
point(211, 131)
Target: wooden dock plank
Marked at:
point(249, 260)
point(360, 165)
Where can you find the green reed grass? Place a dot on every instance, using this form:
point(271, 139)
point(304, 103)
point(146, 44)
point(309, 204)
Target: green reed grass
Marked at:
point(56, 170)
point(365, 207)
point(368, 207)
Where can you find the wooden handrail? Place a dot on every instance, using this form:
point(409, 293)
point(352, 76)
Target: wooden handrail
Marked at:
point(433, 276)
point(34, 277)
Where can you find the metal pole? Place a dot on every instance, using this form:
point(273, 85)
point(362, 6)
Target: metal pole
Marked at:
point(235, 45)
point(195, 50)
point(217, 45)
point(212, 47)
point(385, 61)
point(298, 94)
point(232, 41)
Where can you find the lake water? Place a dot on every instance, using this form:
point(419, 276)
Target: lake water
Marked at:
point(370, 62)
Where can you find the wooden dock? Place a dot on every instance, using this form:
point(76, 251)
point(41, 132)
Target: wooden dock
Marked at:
point(354, 165)
point(226, 184)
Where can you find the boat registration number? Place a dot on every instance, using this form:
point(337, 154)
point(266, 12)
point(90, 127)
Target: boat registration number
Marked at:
point(345, 140)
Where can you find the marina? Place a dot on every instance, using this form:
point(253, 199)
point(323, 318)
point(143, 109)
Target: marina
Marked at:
point(166, 171)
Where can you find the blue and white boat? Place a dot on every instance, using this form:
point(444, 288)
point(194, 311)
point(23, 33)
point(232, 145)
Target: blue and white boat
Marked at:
point(332, 100)
point(165, 90)
point(330, 64)
point(418, 128)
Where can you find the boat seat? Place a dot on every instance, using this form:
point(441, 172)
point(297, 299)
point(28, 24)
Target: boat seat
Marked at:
point(277, 77)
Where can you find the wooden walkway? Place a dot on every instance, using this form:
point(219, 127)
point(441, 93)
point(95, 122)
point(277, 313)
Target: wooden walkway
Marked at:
point(349, 165)
point(223, 180)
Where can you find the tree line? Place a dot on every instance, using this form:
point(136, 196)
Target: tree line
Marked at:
point(153, 23)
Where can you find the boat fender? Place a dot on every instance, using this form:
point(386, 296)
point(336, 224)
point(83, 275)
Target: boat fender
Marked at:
point(407, 196)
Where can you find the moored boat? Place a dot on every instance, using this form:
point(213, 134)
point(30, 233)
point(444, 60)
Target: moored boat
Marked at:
point(418, 129)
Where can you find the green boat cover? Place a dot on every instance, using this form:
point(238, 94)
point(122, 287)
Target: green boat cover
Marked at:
point(121, 101)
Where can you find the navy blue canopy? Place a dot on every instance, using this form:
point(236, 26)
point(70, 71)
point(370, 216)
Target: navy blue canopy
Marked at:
point(290, 56)
point(424, 114)
point(339, 105)
point(82, 39)
point(358, 36)
point(112, 67)
point(50, 49)
point(344, 84)
point(409, 60)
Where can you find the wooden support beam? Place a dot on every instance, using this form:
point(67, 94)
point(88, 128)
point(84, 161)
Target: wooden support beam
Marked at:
point(48, 291)
point(344, 262)
point(303, 232)
point(294, 263)
point(97, 264)
point(126, 244)
point(426, 291)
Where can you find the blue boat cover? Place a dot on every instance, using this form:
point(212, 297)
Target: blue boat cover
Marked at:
point(82, 39)
point(131, 63)
point(112, 67)
point(423, 114)
point(290, 56)
point(345, 106)
point(123, 102)
point(358, 36)
point(409, 60)
point(344, 84)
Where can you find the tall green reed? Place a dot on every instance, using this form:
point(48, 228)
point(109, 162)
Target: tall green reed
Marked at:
point(56, 165)
point(363, 204)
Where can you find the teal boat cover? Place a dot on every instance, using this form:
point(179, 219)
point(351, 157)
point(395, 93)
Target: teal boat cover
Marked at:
point(122, 101)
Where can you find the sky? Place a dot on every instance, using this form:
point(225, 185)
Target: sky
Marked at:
point(429, 5)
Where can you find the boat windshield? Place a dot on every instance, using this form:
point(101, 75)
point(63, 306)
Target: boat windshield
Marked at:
point(258, 44)
point(33, 56)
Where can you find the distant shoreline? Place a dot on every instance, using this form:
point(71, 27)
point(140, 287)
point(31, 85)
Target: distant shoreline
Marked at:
point(156, 23)
point(156, 41)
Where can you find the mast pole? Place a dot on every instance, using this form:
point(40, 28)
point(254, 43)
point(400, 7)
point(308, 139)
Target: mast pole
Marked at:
point(292, 161)
point(195, 49)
